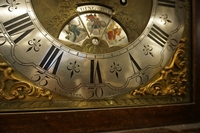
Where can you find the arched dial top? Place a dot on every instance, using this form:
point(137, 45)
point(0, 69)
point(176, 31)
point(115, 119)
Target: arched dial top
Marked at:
point(114, 24)
point(90, 49)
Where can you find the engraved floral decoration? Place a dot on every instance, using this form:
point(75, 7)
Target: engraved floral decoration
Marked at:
point(148, 50)
point(34, 44)
point(65, 12)
point(19, 89)
point(74, 68)
point(172, 79)
point(115, 68)
point(165, 19)
point(11, 4)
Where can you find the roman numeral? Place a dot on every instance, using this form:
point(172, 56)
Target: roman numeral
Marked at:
point(134, 64)
point(95, 72)
point(167, 3)
point(21, 26)
point(158, 35)
point(52, 60)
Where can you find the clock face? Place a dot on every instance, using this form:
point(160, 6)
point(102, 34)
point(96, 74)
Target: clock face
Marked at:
point(90, 49)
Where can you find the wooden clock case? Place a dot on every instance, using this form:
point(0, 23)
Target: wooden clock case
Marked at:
point(127, 119)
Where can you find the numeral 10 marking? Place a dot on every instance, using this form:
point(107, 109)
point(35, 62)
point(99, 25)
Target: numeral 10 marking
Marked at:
point(158, 35)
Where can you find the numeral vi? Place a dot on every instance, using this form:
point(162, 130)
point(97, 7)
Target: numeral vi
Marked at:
point(95, 73)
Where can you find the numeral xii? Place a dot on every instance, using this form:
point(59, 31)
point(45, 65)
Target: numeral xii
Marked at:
point(21, 25)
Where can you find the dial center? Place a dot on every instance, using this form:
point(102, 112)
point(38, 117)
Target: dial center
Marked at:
point(95, 41)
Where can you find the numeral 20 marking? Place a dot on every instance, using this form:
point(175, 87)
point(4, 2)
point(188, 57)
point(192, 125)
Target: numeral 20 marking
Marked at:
point(21, 25)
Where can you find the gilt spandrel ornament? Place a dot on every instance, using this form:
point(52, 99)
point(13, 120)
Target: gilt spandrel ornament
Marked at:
point(18, 89)
point(172, 79)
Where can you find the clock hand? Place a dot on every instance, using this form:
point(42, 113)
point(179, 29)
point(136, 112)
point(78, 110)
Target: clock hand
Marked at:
point(106, 26)
point(83, 25)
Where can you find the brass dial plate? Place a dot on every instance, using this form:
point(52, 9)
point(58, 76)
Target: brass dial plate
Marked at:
point(35, 39)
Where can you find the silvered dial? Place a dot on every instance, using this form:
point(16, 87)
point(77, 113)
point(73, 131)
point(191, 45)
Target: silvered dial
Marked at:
point(85, 50)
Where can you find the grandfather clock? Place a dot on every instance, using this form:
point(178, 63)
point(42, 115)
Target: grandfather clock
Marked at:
point(98, 66)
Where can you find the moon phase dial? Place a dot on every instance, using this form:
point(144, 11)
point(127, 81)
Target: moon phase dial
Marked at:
point(116, 24)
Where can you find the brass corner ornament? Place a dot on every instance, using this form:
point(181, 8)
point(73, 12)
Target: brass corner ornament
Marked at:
point(172, 79)
point(19, 89)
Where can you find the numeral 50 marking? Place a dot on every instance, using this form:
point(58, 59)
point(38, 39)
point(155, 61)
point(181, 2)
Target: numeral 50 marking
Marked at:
point(95, 92)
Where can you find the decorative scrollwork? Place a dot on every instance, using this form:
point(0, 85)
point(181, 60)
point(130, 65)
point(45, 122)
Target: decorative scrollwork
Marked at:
point(19, 89)
point(115, 68)
point(74, 68)
point(148, 50)
point(165, 19)
point(172, 79)
point(34, 44)
point(65, 12)
point(11, 5)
